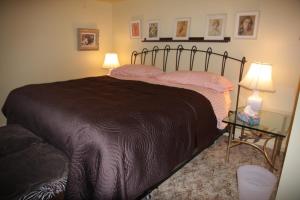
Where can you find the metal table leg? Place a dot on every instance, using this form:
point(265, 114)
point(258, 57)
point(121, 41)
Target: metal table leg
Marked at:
point(276, 149)
point(229, 142)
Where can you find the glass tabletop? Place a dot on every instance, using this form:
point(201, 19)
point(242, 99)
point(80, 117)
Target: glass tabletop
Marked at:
point(270, 122)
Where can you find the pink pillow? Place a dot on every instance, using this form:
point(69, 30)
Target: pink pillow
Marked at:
point(202, 79)
point(136, 70)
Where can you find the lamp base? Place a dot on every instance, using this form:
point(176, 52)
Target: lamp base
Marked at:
point(251, 120)
point(254, 104)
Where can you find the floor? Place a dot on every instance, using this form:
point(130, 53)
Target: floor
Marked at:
point(208, 176)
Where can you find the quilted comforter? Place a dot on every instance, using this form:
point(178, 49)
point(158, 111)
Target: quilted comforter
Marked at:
point(121, 136)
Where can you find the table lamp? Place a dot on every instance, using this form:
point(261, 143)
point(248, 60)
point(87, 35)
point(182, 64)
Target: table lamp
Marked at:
point(111, 61)
point(258, 79)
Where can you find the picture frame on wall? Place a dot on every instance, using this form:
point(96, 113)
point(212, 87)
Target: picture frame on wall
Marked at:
point(135, 29)
point(153, 28)
point(182, 28)
point(246, 25)
point(88, 39)
point(215, 26)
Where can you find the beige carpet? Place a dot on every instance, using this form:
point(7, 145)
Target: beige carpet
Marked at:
point(208, 176)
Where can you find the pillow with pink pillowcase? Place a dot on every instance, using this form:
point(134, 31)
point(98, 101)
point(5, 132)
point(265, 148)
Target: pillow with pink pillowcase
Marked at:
point(198, 78)
point(136, 70)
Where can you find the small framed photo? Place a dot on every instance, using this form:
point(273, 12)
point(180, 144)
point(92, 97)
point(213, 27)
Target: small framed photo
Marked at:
point(215, 27)
point(246, 25)
point(182, 29)
point(153, 30)
point(88, 39)
point(135, 29)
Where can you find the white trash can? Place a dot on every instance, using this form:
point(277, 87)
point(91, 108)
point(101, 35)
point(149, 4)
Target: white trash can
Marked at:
point(255, 182)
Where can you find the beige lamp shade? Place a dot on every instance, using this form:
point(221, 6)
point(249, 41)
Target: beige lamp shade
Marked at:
point(259, 78)
point(111, 61)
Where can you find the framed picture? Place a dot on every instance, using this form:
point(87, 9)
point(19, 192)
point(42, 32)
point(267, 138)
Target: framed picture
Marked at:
point(246, 25)
point(182, 29)
point(153, 30)
point(215, 27)
point(135, 29)
point(88, 39)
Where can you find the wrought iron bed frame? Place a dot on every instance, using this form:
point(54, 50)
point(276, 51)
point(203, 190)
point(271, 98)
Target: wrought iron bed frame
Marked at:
point(143, 54)
point(166, 50)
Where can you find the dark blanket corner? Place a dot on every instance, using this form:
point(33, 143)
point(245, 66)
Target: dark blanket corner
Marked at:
point(121, 136)
point(29, 168)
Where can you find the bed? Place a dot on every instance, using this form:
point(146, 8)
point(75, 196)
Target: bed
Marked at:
point(123, 134)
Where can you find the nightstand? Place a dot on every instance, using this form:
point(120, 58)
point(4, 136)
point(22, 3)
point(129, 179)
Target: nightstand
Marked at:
point(272, 126)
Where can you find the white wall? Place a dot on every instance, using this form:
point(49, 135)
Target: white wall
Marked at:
point(290, 178)
point(277, 41)
point(39, 41)
point(39, 44)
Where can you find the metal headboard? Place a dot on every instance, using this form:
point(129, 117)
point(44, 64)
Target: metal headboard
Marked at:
point(193, 52)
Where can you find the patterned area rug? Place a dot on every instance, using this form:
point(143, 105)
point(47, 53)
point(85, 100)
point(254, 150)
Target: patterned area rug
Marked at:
point(208, 176)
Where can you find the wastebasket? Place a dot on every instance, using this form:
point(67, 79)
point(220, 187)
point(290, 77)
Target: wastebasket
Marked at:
point(255, 182)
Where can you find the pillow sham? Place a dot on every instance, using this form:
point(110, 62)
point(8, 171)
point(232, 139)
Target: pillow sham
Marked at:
point(136, 70)
point(202, 79)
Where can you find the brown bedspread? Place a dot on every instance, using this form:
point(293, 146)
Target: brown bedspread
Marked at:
point(121, 136)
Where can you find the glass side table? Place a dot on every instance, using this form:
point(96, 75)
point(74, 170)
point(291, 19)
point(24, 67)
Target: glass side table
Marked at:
point(272, 126)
